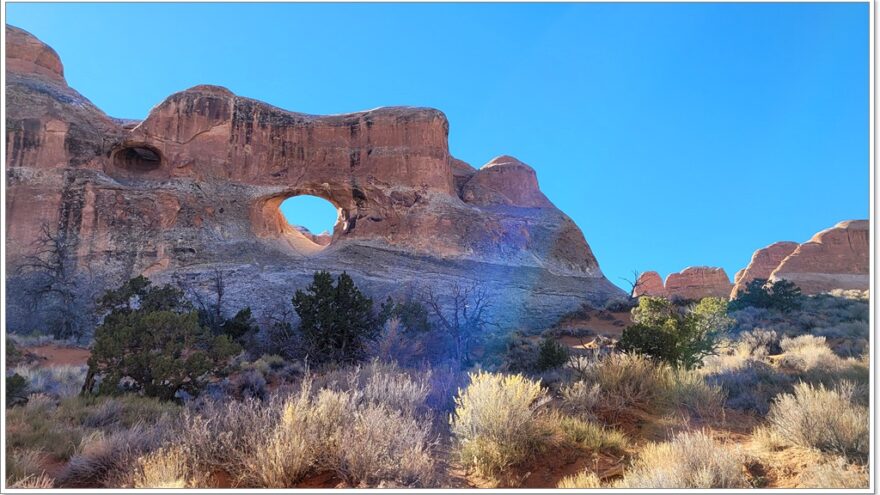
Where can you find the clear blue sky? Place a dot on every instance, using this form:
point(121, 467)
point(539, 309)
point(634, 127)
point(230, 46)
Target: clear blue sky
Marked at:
point(673, 134)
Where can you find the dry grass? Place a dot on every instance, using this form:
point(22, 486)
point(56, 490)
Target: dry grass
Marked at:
point(588, 435)
point(690, 460)
point(584, 479)
point(822, 418)
point(164, 468)
point(57, 381)
point(834, 473)
point(687, 390)
point(494, 421)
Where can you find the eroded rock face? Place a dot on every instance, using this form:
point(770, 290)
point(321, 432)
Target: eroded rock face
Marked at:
point(195, 188)
point(697, 282)
point(763, 262)
point(836, 258)
point(649, 284)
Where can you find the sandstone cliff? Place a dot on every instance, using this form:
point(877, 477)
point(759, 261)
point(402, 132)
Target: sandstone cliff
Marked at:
point(763, 262)
point(195, 188)
point(835, 258)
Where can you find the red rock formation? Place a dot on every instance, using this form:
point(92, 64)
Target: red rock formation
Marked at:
point(763, 262)
point(196, 187)
point(649, 284)
point(836, 258)
point(697, 282)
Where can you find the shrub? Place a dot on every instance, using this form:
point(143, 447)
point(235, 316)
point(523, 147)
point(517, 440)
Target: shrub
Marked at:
point(336, 321)
point(822, 418)
point(584, 479)
point(627, 380)
point(680, 338)
point(494, 421)
point(590, 436)
point(808, 352)
point(164, 468)
point(759, 342)
point(835, 473)
point(152, 340)
point(551, 354)
point(56, 381)
point(22, 465)
point(781, 295)
point(752, 386)
point(249, 385)
point(581, 398)
point(16, 390)
point(690, 460)
point(106, 460)
point(411, 314)
point(689, 390)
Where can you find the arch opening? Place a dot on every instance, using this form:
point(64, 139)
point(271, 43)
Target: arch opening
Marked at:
point(138, 159)
point(311, 219)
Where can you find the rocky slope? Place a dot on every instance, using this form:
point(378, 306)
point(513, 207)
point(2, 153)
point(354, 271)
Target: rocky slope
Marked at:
point(195, 188)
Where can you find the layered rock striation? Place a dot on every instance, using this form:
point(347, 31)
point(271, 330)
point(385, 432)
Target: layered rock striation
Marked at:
point(195, 188)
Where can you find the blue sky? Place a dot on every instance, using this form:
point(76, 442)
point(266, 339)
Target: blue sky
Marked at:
point(673, 134)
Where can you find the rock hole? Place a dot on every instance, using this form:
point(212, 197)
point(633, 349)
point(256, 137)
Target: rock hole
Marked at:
point(313, 217)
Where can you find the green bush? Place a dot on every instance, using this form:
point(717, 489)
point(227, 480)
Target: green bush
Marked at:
point(337, 321)
point(16, 390)
point(782, 295)
point(551, 354)
point(679, 337)
point(151, 342)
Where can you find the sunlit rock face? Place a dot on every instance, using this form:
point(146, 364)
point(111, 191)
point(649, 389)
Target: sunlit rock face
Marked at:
point(697, 282)
point(762, 264)
point(196, 187)
point(835, 258)
point(649, 284)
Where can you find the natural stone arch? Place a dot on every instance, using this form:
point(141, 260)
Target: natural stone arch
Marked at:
point(269, 223)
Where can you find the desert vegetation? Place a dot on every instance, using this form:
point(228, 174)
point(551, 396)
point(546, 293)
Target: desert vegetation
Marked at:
point(770, 390)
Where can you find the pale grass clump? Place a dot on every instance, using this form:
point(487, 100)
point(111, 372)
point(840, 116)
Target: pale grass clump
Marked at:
point(581, 398)
point(276, 443)
point(808, 353)
point(23, 464)
point(57, 381)
point(589, 435)
point(163, 468)
point(382, 444)
point(584, 479)
point(627, 380)
point(40, 481)
point(822, 418)
point(690, 460)
point(105, 460)
point(688, 390)
point(835, 473)
point(494, 421)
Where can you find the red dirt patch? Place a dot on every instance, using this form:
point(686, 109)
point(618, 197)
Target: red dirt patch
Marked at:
point(54, 355)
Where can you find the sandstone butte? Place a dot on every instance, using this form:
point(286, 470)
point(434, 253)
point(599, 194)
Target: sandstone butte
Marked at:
point(694, 282)
point(835, 258)
point(195, 188)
